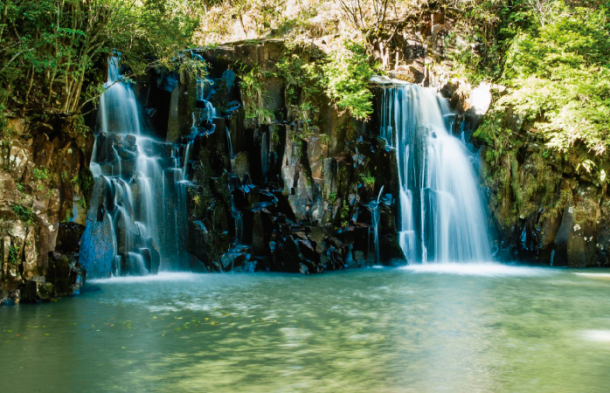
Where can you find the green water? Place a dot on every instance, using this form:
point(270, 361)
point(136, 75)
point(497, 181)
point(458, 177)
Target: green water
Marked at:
point(467, 329)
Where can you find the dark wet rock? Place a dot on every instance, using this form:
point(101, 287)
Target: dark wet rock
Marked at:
point(68, 237)
point(36, 289)
point(238, 259)
point(292, 260)
point(242, 166)
point(285, 192)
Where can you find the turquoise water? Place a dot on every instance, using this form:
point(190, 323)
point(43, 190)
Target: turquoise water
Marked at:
point(439, 328)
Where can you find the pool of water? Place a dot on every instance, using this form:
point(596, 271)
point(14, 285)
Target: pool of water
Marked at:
point(434, 328)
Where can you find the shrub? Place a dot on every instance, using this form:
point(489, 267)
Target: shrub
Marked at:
point(559, 77)
point(347, 74)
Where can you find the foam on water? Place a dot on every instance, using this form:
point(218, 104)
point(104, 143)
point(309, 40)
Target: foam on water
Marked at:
point(162, 276)
point(601, 276)
point(478, 269)
point(600, 336)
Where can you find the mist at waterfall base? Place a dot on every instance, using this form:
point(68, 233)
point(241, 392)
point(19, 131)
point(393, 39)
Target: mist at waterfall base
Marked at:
point(442, 210)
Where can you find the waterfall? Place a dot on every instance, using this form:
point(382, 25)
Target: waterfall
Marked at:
point(118, 111)
point(238, 220)
point(376, 217)
point(442, 213)
point(230, 143)
point(142, 197)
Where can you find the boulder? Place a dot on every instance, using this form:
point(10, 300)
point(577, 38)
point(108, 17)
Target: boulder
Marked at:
point(317, 150)
point(36, 289)
point(242, 165)
point(66, 274)
point(68, 237)
point(18, 158)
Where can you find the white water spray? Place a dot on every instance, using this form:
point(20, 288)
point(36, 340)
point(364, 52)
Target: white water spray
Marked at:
point(443, 219)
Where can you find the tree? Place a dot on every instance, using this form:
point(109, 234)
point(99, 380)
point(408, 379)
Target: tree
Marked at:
point(52, 51)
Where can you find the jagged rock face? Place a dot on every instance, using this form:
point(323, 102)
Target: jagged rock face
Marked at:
point(545, 213)
point(265, 195)
point(43, 184)
point(545, 207)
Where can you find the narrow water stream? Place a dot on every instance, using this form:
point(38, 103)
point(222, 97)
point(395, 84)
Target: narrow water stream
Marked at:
point(428, 328)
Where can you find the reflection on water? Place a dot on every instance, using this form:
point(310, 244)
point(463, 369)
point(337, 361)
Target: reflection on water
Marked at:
point(424, 329)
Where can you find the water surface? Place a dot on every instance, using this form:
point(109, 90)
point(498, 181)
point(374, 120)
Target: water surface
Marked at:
point(434, 328)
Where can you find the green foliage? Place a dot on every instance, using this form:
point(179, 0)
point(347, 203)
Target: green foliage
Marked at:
point(367, 180)
point(332, 198)
point(254, 96)
point(347, 74)
point(495, 133)
point(86, 183)
point(304, 79)
point(79, 125)
point(345, 208)
point(52, 51)
point(488, 28)
point(24, 214)
point(68, 216)
point(4, 129)
point(559, 77)
point(14, 255)
point(41, 173)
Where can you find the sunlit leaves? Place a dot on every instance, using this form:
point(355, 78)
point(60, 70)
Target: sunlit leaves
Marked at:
point(54, 50)
point(559, 75)
point(348, 72)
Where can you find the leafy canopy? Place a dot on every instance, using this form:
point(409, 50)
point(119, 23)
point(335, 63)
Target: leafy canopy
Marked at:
point(52, 51)
point(559, 77)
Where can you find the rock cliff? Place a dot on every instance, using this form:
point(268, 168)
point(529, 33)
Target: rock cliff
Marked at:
point(44, 183)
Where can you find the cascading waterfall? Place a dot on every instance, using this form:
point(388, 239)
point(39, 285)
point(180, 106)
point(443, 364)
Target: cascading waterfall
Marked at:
point(146, 214)
point(145, 194)
point(374, 207)
point(443, 219)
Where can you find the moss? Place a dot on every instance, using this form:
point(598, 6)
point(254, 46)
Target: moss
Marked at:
point(515, 184)
point(86, 183)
